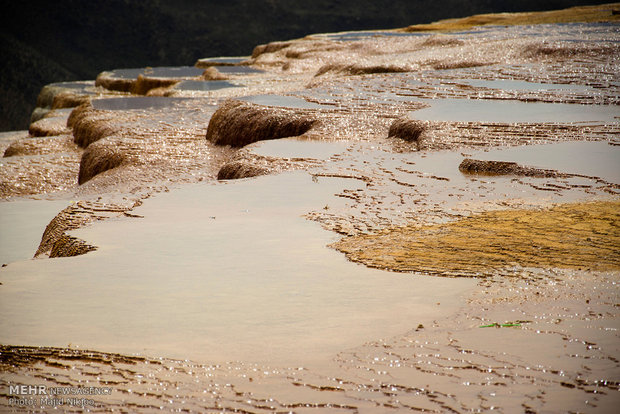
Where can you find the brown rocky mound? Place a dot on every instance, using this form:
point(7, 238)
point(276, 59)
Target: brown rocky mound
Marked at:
point(238, 123)
point(140, 86)
point(57, 243)
point(110, 82)
point(357, 69)
point(144, 84)
point(69, 246)
point(49, 126)
point(69, 99)
point(239, 169)
point(407, 129)
point(472, 166)
point(269, 48)
point(41, 146)
point(90, 125)
point(97, 158)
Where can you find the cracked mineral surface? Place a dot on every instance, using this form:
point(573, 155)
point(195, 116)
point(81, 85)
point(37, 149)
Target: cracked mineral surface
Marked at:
point(194, 226)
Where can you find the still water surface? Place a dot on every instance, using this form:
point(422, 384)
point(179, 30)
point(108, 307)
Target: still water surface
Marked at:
point(217, 273)
point(511, 111)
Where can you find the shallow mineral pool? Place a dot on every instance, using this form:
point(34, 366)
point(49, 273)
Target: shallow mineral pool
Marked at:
point(218, 273)
point(79, 85)
point(592, 158)
point(237, 70)
point(159, 72)
point(140, 102)
point(511, 111)
point(194, 85)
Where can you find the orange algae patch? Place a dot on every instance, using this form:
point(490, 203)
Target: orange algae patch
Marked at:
point(583, 236)
point(579, 14)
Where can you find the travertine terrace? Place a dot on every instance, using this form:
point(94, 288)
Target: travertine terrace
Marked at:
point(528, 225)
